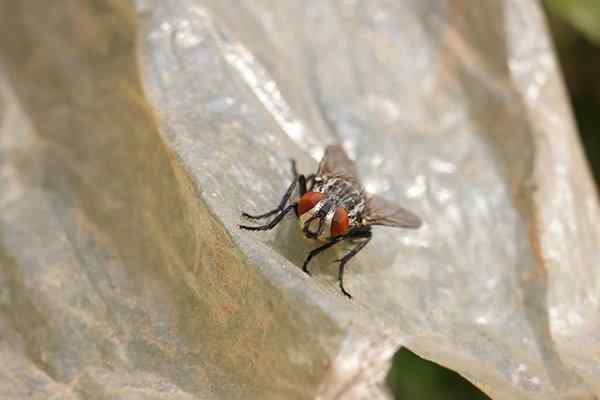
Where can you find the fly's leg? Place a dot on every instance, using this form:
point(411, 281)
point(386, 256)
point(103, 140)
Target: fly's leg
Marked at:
point(366, 236)
point(302, 184)
point(310, 180)
point(363, 233)
point(315, 252)
point(280, 207)
point(284, 199)
point(304, 181)
point(273, 223)
point(294, 169)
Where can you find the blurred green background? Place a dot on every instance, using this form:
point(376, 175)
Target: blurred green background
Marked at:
point(575, 27)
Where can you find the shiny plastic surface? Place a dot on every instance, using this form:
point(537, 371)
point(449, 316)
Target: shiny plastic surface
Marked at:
point(132, 136)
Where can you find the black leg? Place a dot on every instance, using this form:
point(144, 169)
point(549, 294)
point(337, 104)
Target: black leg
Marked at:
point(347, 258)
point(271, 224)
point(302, 180)
point(286, 196)
point(294, 169)
point(265, 215)
point(360, 233)
point(302, 184)
point(316, 252)
point(284, 199)
point(310, 181)
point(306, 183)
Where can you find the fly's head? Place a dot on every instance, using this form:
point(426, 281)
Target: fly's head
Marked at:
point(320, 217)
point(323, 214)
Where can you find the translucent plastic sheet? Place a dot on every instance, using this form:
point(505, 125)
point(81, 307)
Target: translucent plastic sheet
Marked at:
point(132, 135)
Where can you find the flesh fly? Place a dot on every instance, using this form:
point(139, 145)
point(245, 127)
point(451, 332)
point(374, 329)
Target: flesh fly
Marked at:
point(333, 207)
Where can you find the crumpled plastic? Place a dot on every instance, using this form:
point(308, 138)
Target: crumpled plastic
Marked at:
point(132, 135)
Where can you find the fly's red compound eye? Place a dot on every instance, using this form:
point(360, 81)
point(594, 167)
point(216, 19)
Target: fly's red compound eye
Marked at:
point(340, 222)
point(308, 201)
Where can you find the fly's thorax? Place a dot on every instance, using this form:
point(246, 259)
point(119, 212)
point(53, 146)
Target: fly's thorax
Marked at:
point(346, 193)
point(355, 211)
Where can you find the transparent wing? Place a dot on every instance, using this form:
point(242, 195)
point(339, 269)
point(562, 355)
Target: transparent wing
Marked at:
point(336, 162)
point(380, 211)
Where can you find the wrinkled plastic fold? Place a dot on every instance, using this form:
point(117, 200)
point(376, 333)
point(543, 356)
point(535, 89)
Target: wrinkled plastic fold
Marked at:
point(133, 134)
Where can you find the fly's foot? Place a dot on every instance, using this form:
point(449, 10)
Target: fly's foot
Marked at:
point(344, 290)
point(305, 268)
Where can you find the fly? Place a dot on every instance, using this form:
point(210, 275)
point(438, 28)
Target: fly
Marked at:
point(333, 207)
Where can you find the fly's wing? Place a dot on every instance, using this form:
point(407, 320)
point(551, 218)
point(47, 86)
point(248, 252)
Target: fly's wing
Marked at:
point(379, 211)
point(336, 162)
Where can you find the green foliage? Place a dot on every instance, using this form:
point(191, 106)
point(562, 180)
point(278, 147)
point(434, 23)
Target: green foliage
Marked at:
point(426, 380)
point(584, 15)
point(575, 26)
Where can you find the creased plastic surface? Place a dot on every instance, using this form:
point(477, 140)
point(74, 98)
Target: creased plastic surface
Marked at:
point(122, 272)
